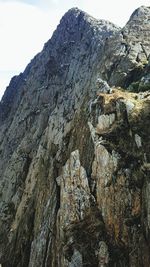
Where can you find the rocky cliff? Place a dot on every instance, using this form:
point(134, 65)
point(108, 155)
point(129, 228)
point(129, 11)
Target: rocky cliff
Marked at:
point(74, 168)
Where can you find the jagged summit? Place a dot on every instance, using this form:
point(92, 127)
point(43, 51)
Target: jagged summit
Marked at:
point(127, 53)
point(74, 11)
point(77, 35)
point(77, 13)
point(141, 13)
point(76, 21)
point(140, 18)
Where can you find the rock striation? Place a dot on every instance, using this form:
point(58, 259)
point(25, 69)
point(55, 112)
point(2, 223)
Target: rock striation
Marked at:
point(74, 168)
point(127, 53)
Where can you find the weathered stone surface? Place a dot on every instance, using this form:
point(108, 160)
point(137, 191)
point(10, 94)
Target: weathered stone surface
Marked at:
point(102, 86)
point(74, 168)
point(138, 140)
point(114, 169)
point(105, 122)
point(74, 202)
point(103, 255)
point(74, 191)
point(126, 54)
point(76, 260)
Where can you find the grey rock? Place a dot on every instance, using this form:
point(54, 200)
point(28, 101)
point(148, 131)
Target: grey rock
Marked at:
point(62, 185)
point(138, 140)
point(76, 260)
point(126, 54)
point(102, 86)
point(103, 255)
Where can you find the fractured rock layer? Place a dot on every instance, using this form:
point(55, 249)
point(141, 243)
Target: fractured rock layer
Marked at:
point(74, 168)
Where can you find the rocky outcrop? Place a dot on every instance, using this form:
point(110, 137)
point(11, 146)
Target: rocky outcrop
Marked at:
point(74, 169)
point(119, 179)
point(126, 54)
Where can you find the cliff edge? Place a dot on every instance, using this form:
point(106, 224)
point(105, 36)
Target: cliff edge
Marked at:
point(74, 147)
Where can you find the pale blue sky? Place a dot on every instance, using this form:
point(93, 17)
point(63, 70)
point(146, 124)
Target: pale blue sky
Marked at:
point(25, 25)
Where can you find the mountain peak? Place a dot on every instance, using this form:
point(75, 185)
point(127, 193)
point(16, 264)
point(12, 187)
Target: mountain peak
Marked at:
point(74, 152)
point(74, 11)
point(140, 13)
point(77, 16)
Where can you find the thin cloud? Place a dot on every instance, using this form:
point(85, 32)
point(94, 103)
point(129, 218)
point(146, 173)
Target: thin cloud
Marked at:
point(23, 29)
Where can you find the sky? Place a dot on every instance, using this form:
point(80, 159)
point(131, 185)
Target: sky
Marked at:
point(25, 25)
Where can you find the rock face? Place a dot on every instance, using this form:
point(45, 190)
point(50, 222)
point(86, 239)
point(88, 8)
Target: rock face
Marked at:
point(126, 53)
point(74, 168)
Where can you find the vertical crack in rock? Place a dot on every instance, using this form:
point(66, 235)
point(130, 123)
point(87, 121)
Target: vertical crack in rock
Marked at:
point(74, 198)
point(116, 178)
